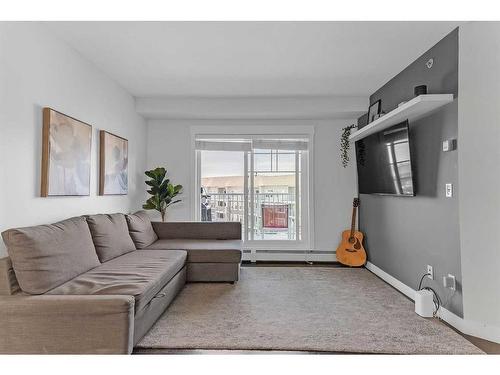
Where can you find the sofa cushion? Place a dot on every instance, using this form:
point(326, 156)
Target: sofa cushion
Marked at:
point(140, 229)
point(204, 251)
point(141, 274)
point(46, 256)
point(110, 235)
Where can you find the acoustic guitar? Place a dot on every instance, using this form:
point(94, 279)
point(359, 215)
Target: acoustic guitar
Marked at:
point(351, 251)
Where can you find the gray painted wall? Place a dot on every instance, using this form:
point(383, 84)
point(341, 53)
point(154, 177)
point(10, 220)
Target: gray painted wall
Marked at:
point(404, 234)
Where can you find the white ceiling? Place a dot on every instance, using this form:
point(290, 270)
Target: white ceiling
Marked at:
point(251, 58)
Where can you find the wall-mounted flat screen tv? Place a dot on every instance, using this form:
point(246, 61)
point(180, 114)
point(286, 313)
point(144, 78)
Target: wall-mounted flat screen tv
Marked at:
point(384, 162)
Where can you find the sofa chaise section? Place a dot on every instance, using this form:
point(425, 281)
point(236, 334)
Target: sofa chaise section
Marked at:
point(138, 274)
point(152, 278)
point(214, 250)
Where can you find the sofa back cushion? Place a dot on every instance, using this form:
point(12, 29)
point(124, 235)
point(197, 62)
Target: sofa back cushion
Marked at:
point(46, 256)
point(141, 230)
point(110, 235)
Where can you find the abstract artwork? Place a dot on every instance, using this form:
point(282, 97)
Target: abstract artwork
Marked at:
point(113, 167)
point(66, 150)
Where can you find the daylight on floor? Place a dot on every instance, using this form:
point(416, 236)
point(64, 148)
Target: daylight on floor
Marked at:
point(250, 187)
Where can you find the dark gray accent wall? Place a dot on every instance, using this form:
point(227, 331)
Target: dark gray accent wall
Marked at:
point(404, 234)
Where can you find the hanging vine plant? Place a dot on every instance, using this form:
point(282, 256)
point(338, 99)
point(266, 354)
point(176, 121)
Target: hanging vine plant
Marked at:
point(344, 144)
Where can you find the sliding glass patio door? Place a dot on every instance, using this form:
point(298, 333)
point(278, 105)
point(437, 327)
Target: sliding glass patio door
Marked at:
point(260, 182)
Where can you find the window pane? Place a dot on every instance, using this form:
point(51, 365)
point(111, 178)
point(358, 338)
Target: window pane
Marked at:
point(286, 161)
point(270, 208)
point(262, 161)
point(222, 185)
point(274, 195)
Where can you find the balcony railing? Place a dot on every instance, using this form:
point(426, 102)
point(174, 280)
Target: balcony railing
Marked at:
point(273, 213)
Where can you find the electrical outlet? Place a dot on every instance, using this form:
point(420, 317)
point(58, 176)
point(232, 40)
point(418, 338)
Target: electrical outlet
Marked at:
point(430, 272)
point(450, 282)
point(449, 145)
point(449, 190)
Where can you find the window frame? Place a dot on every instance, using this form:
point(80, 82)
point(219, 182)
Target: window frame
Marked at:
point(306, 243)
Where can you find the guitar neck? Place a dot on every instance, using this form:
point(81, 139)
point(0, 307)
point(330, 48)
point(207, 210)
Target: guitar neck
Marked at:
point(353, 221)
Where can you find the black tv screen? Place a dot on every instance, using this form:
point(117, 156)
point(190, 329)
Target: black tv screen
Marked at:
point(384, 162)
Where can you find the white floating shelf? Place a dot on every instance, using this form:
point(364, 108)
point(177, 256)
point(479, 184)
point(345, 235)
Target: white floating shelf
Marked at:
point(412, 110)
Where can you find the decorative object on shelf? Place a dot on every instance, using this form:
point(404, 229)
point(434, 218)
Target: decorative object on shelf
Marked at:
point(344, 144)
point(162, 191)
point(420, 90)
point(378, 115)
point(373, 110)
point(66, 150)
point(113, 164)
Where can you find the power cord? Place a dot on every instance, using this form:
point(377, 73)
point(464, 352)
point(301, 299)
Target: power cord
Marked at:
point(435, 299)
point(422, 279)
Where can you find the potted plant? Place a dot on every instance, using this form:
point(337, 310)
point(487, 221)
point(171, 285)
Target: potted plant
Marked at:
point(162, 191)
point(345, 145)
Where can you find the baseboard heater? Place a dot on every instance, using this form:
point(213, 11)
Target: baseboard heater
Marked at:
point(289, 255)
point(292, 252)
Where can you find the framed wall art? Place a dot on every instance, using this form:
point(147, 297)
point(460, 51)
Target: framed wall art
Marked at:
point(66, 155)
point(374, 110)
point(113, 164)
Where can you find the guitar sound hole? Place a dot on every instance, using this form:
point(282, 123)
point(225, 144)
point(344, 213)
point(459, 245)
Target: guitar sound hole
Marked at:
point(352, 240)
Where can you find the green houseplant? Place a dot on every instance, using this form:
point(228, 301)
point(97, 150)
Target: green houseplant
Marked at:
point(162, 191)
point(345, 145)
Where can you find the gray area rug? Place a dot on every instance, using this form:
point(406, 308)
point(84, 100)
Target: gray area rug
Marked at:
point(301, 309)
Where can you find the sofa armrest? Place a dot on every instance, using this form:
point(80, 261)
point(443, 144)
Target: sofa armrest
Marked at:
point(198, 230)
point(8, 281)
point(63, 324)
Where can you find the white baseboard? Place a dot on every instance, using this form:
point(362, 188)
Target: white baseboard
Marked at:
point(463, 325)
point(403, 288)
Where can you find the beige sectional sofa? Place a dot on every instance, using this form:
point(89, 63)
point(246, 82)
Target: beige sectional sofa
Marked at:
point(96, 284)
